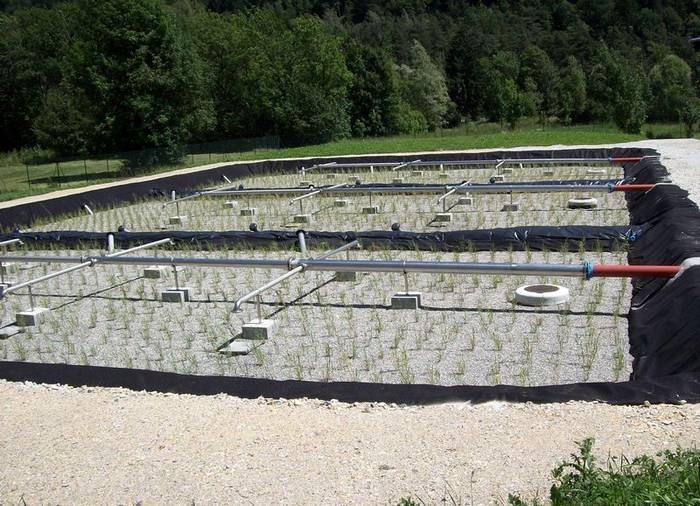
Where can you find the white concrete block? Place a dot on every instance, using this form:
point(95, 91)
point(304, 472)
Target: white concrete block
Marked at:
point(258, 330)
point(345, 276)
point(238, 347)
point(301, 218)
point(341, 203)
point(231, 204)
point(370, 210)
point(409, 300)
point(31, 317)
point(248, 211)
point(177, 220)
point(509, 207)
point(465, 201)
point(9, 267)
point(443, 217)
point(181, 294)
point(155, 272)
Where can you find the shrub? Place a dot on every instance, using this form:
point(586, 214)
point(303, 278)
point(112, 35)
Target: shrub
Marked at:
point(672, 478)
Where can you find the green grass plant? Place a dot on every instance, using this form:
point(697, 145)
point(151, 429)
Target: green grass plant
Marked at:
point(13, 183)
point(673, 477)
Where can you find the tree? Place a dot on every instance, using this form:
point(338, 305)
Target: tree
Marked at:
point(136, 79)
point(33, 44)
point(617, 91)
point(373, 91)
point(671, 86)
point(537, 67)
point(571, 95)
point(290, 79)
point(423, 86)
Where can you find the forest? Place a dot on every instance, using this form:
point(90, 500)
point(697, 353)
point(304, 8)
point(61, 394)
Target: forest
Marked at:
point(85, 77)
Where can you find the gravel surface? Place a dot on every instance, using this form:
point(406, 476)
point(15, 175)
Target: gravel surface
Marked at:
point(110, 446)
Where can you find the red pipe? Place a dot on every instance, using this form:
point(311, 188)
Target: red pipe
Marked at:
point(635, 271)
point(624, 159)
point(632, 187)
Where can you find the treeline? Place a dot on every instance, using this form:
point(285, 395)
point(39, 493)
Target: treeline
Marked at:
point(94, 77)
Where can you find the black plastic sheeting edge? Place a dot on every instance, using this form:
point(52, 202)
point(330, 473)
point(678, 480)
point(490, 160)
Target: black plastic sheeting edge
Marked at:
point(570, 238)
point(664, 321)
point(666, 368)
point(124, 192)
point(185, 192)
point(675, 389)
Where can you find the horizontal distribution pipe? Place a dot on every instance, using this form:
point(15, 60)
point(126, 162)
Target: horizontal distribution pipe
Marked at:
point(435, 189)
point(586, 270)
point(634, 271)
point(9, 242)
point(89, 262)
point(316, 192)
point(491, 161)
point(296, 270)
point(251, 295)
point(632, 187)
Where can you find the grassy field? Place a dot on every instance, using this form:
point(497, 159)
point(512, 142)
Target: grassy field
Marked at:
point(45, 178)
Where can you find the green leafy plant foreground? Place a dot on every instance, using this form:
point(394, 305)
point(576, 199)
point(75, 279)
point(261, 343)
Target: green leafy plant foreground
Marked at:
point(673, 478)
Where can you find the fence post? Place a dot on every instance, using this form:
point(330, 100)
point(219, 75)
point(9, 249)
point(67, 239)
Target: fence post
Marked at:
point(58, 174)
point(85, 167)
point(29, 181)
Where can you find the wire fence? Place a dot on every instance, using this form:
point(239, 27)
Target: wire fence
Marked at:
point(75, 170)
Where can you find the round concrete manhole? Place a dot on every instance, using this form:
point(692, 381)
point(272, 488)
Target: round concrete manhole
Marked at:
point(541, 295)
point(582, 203)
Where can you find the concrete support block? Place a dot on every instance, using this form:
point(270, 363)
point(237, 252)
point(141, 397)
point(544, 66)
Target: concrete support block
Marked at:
point(305, 184)
point(181, 294)
point(506, 170)
point(9, 331)
point(597, 171)
point(370, 210)
point(354, 179)
point(397, 180)
point(301, 218)
point(510, 207)
point(177, 220)
point(408, 300)
point(248, 211)
point(9, 267)
point(155, 272)
point(331, 175)
point(443, 175)
point(498, 178)
point(231, 204)
point(443, 217)
point(547, 172)
point(465, 201)
point(341, 203)
point(345, 276)
point(258, 330)
point(416, 173)
point(238, 347)
point(31, 317)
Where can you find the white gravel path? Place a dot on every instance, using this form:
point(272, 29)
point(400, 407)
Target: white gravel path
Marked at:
point(62, 445)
